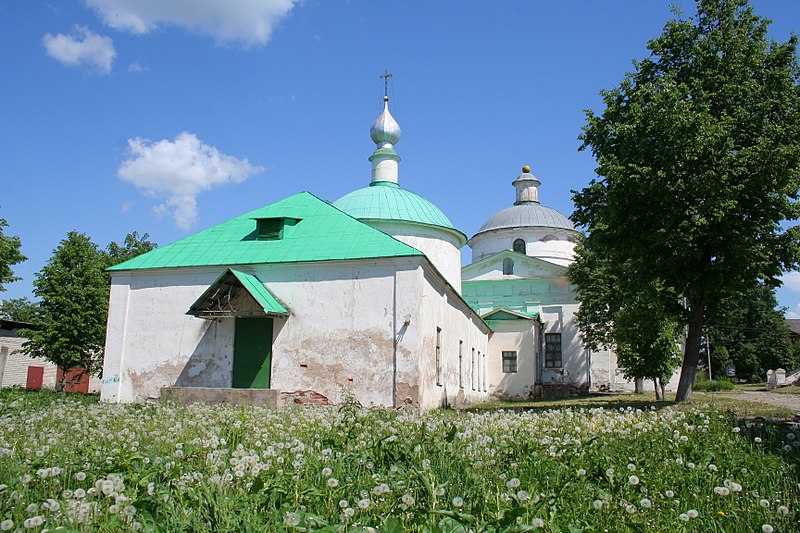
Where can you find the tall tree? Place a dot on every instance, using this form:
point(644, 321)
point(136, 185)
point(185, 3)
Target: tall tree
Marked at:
point(753, 334)
point(133, 245)
point(698, 154)
point(19, 309)
point(637, 320)
point(73, 288)
point(9, 255)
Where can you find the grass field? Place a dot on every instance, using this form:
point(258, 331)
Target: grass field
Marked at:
point(67, 460)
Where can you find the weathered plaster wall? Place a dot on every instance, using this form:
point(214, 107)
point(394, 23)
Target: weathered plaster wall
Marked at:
point(444, 309)
point(340, 336)
point(151, 343)
point(519, 336)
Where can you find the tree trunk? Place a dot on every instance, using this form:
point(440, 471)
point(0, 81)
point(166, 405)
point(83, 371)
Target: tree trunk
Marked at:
point(638, 385)
point(663, 388)
point(61, 383)
point(691, 354)
point(655, 386)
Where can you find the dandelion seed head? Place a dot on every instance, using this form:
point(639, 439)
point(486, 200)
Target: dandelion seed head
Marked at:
point(291, 519)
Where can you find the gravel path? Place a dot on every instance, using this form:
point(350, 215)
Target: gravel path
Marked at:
point(787, 401)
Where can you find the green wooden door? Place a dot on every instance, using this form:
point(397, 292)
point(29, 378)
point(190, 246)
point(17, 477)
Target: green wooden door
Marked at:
point(252, 353)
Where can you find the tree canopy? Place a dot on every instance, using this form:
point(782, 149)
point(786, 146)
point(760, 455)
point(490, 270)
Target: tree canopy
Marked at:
point(19, 309)
point(9, 255)
point(131, 246)
point(698, 153)
point(73, 288)
point(747, 331)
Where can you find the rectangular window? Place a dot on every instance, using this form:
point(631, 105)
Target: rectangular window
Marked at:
point(439, 356)
point(509, 362)
point(472, 369)
point(484, 372)
point(460, 364)
point(552, 350)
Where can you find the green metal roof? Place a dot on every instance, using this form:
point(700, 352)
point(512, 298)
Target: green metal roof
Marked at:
point(263, 296)
point(385, 200)
point(324, 233)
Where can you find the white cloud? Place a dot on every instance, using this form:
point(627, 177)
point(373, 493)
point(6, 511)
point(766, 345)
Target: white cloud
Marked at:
point(136, 67)
point(791, 281)
point(178, 170)
point(82, 47)
point(246, 21)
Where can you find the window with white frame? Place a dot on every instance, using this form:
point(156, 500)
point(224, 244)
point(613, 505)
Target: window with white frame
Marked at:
point(552, 350)
point(509, 362)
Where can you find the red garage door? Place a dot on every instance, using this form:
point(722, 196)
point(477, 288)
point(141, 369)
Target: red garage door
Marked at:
point(35, 377)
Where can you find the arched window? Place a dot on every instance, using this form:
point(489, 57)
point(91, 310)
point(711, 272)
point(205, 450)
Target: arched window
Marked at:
point(519, 246)
point(549, 238)
point(508, 266)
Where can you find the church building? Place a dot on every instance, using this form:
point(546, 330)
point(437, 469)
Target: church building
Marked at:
point(365, 297)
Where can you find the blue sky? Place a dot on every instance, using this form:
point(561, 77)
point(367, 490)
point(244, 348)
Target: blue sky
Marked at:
point(170, 117)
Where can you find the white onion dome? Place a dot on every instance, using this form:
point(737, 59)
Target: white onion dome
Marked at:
point(385, 131)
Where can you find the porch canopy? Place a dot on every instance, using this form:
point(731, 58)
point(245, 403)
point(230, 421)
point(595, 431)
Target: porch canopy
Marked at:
point(237, 294)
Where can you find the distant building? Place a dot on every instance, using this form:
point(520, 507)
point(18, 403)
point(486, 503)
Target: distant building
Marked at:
point(18, 369)
point(362, 297)
point(794, 328)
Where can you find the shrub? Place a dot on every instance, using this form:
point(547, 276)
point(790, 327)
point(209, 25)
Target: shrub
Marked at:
point(713, 386)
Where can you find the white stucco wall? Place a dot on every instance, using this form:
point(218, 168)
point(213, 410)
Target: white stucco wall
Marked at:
point(519, 336)
point(460, 329)
point(442, 247)
point(359, 327)
point(546, 243)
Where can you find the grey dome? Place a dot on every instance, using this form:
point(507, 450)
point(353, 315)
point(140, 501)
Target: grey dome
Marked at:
point(527, 215)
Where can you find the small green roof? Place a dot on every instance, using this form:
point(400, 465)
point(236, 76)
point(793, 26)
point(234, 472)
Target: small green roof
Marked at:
point(261, 293)
point(501, 313)
point(384, 200)
point(323, 233)
point(218, 300)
